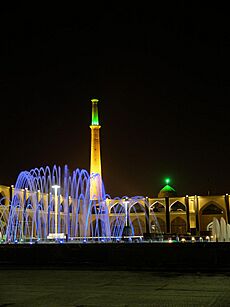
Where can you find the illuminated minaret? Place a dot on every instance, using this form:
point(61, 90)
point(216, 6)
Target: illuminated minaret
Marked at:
point(95, 161)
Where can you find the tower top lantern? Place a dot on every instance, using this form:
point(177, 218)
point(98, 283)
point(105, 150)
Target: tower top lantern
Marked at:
point(95, 118)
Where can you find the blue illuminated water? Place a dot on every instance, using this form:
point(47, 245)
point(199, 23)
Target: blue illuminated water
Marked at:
point(34, 213)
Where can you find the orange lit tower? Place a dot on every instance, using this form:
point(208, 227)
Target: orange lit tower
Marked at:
point(95, 160)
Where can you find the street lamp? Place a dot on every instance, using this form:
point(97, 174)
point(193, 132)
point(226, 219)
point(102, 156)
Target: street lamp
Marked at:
point(56, 187)
point(126, 210)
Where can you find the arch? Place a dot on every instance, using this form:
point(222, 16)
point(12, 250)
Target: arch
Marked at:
point(208, 212)
point(137, 208)
point(117, 208)
point(178, 226)
point(16, 201)
point(2, 199)
point(28, 203)
point(177, 206)
point(41, 205)
point(212, 208)
point(157, 207)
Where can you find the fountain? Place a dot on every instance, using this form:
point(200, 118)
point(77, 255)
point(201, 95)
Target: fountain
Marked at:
point(48, 204)
point(220, 230)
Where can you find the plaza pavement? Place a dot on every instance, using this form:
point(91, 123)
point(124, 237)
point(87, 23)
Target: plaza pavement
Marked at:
point(66, 287)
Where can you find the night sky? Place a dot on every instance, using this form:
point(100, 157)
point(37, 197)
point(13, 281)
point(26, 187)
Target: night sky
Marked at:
point(161, 75)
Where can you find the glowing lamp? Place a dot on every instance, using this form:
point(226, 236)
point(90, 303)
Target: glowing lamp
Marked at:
point(95, 119)
point(55, 186)
point(167, 180)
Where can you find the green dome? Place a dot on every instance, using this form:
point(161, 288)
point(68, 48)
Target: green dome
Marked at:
point(167, 191)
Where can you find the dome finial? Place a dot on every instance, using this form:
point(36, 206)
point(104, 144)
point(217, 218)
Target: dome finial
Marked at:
point(167, 180)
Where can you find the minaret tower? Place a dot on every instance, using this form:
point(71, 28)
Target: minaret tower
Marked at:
point(95, 160)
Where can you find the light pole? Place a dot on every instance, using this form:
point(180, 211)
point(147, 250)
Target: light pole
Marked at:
point(127, 230)
point(126, 211)
point(56, 187)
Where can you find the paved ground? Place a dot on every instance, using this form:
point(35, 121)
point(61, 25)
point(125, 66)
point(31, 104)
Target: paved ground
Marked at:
point(112, 288)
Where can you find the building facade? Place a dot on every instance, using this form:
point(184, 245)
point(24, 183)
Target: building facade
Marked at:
point(179, 215)
point(167, 213)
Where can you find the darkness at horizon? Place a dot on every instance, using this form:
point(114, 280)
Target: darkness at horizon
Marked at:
point(162, 79)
